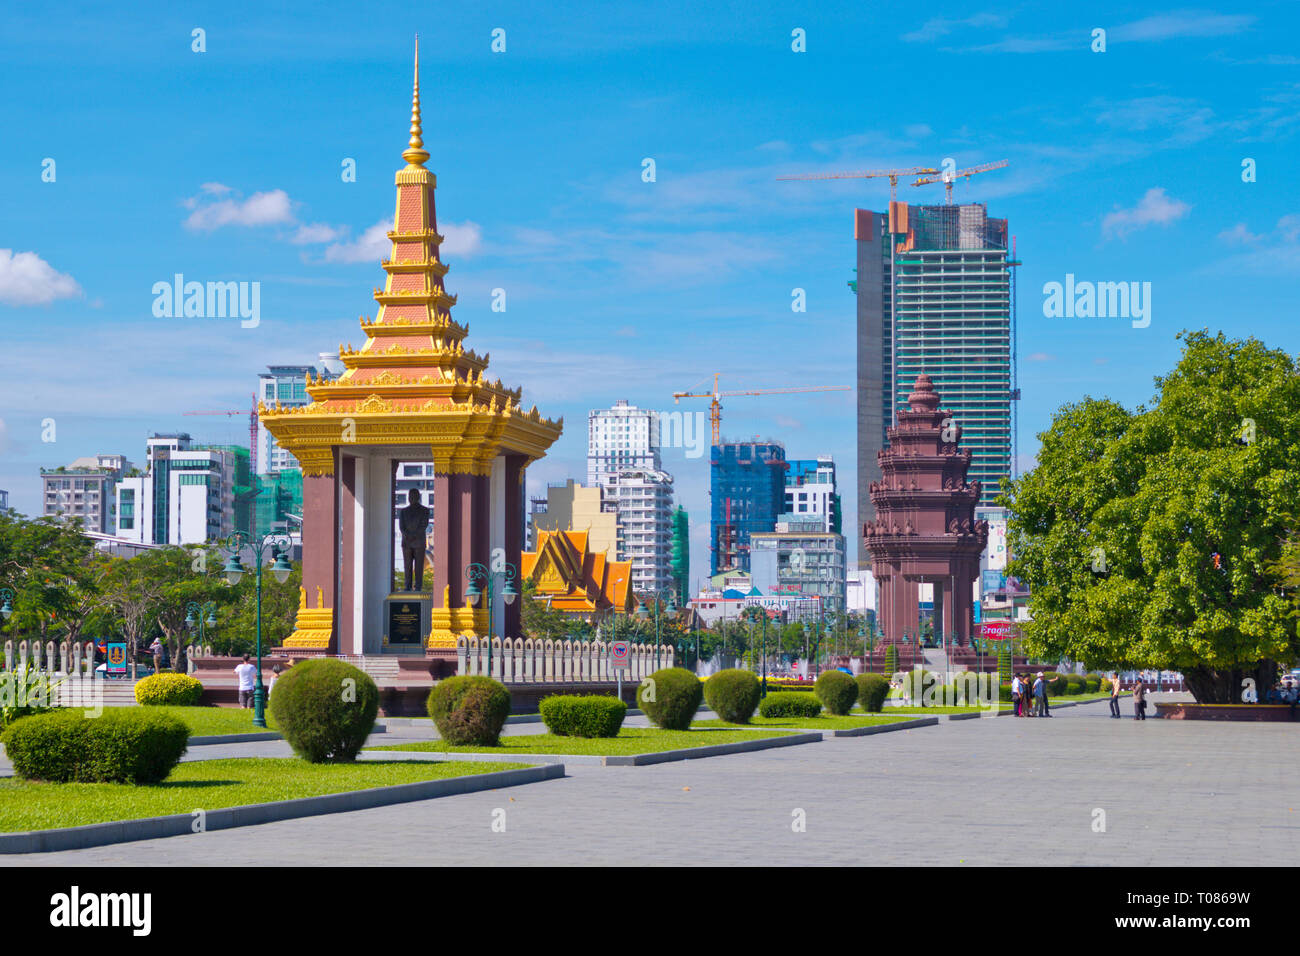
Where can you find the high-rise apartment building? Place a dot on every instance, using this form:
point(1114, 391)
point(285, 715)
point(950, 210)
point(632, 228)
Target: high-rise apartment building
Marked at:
point(186, 496)
point(623, 459)
point(800, 558)
point(286, 385)
point(85, 489)
point(935, 289)
point(811, 492)
point(747, 492)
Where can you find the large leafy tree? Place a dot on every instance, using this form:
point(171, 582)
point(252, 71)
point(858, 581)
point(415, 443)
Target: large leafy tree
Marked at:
point(1152, 538)
point(53, 572)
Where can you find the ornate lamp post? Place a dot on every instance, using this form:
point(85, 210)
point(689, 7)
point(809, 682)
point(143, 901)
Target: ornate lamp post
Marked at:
point(234, 570)
point(6, 603)
point(477, 572)
point(643, 613)
point(194, 613)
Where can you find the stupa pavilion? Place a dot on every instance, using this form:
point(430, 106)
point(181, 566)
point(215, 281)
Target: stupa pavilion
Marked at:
point(412, 392)
point(925, 530)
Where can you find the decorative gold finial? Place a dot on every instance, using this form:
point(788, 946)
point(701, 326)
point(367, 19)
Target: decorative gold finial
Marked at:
point(415, 153)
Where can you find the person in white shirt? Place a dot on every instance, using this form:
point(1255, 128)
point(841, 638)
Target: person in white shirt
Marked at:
point(247, 675)
point(1017, 694)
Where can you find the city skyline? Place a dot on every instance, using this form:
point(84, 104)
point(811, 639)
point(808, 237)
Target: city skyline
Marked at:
point(616, 287)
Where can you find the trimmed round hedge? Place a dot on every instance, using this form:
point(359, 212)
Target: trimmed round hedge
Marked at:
point(119, 746)
point(918, 681)
point(670, 697)
point(790, 704)
point(733, 695)
point(1093, 683)
point(872, 691)
point(326, 709)
point(470, 710)
point(175, 690)
point(837, 691)
point(571, 715)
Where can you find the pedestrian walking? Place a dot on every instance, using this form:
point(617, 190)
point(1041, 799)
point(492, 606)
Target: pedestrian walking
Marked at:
point(247, 674)
point(1043, 698)
point(156, 649)
point(1040, 696)
point(1114, 695)
point(1139, 700)
point(1017, 690)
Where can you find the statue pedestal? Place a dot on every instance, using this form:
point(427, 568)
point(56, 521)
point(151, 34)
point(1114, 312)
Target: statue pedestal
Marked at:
point(406, 621)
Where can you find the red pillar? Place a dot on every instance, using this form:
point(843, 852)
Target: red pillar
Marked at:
point(514, 526)
point(320, 535)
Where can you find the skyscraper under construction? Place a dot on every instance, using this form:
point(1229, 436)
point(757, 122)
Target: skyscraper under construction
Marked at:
point(935, 292)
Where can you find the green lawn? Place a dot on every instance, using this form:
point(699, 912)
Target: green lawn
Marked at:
point(210, 785)
point(212, 721)
point(630, 741)
point(824, 722)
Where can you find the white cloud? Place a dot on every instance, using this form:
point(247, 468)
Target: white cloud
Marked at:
point(1039, 357)
point(1181, 23)
point(371, 247)
point(1239, 234)
point(316, 232)
point(1154, 209)
point(459, 239)
point(937, 27)
point(260, 209)
point(27, 279)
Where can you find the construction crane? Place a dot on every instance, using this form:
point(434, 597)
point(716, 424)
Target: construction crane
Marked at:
point(893, 175)
point(948, 178)
point(252, 427)
point(715, 407)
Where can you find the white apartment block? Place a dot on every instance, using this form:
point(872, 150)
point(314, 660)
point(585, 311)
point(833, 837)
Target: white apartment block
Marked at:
point(623, 459)
point(84, 489)
point(185, 497)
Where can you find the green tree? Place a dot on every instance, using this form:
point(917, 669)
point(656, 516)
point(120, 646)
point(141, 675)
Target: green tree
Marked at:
point(1151, 539)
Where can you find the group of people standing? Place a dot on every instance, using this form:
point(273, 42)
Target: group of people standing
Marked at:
point(1139, 698)
point(1030, 698)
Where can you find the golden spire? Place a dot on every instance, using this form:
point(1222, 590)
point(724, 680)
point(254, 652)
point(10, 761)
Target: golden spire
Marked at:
point(415, 153)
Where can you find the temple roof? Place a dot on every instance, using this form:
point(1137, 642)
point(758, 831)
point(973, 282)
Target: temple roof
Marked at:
point(413, 381)
point(574, 579)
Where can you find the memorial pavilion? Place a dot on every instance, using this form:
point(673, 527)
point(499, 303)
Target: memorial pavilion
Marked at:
point(925, 530)
point(412, 392)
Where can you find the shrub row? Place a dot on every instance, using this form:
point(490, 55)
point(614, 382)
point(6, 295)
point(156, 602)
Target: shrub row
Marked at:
point(119, 746)
point(790, 704)
point(176, 690)
point(571, 715)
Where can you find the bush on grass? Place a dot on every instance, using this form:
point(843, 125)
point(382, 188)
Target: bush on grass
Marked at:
point(733, 695)
point(120, 746)
point(469, 711)
point(670, 697)
point(571, 715)
point(838, 691)
point(174, 690)
point(872, 691)
point(790, 704)
point(325, 709)
point(1093, 683)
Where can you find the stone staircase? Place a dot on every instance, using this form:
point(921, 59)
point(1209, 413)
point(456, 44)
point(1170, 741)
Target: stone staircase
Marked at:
point(380, 667)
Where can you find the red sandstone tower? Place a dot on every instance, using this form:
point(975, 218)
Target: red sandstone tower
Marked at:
point(925, 529)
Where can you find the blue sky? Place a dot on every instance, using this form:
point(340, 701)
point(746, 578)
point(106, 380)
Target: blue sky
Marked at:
point(1125, 165)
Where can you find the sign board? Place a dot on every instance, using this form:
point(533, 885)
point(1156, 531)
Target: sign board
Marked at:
point(978, 608)
point(116, 659)
point(992, 581)
point(619, 653)
point(997, 630)
point(997, 544)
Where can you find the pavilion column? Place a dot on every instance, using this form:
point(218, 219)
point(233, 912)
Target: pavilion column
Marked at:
point(514, 527)
point(320, 527)
point(446, 542)
point(345, 608)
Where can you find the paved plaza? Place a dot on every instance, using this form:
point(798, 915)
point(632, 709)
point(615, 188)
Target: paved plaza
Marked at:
point(976, 792)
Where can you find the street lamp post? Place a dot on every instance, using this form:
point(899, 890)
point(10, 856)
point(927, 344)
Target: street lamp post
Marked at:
point(6, 603)
point(194, 612)
point(478, 572)
point(642, 613)
point(234, 570)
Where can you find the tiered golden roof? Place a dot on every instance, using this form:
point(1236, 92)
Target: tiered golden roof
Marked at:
point(413, 382)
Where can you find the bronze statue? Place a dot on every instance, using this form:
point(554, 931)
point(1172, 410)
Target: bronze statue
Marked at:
point(413, 520)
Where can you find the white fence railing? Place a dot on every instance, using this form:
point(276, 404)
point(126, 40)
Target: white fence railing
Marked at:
point(529, 661)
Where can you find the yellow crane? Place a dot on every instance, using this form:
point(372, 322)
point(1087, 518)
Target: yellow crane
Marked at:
point(715, 406)
point(948, 178)
point(893, 175)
